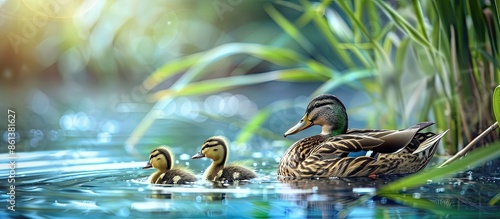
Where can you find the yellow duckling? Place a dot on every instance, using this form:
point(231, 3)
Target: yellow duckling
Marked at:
point(216, 149)
point(161, 159)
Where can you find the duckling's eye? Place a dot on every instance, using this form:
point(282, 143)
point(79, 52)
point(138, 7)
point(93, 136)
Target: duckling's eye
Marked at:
point(153, 156)
point(215, 149)
point(158, 159)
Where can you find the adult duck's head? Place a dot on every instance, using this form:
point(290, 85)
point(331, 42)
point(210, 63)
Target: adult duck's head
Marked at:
point(325, 110)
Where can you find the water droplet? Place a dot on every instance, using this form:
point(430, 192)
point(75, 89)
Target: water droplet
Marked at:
point(104, 137)
point(66, 122)
point(110, 126)
point(185, 107)
point(247, 108)
point(184, 156)
point(123, 212)
point(277, 159)
point(140, 189)
point(370, 203)
point(338, 206)
point(383, 201)
point(257, 154)
point(231, 104)
point(417, 195)
point(439, 190)
point(82, 121)
point(429, 181)
point(169, 109)
point(34, 142)
point(52, 135)
point(198, 198)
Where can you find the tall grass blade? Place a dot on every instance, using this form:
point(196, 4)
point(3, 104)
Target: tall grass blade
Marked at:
point(407, 27)
point(222, 84)
point(494, 200)
point(345, 78)
point(496, 103)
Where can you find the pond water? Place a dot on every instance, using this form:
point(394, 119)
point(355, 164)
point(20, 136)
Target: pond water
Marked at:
point(63, 184)
point(81, 168)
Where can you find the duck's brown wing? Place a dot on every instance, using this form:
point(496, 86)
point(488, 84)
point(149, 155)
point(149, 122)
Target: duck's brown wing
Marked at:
point(346, 144)
point(394, 140)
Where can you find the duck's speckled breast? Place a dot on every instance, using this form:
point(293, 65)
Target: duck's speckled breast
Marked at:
point(297, 153)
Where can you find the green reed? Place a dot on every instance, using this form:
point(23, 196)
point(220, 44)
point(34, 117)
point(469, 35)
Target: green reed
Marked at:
point(411, 59)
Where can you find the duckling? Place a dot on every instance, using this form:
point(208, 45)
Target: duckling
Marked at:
point(161, 159)
point(216, 149)
point(325, 155)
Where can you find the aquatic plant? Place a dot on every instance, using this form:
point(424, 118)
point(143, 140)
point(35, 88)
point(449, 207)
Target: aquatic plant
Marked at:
point(388, 51)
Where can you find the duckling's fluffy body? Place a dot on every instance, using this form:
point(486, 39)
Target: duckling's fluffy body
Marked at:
point(216, 149)
point(161, 159)
point(231, 172)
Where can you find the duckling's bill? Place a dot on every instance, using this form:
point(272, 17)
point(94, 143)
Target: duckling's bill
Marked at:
point(148, 165)
point(304, 123)
point(198, 155)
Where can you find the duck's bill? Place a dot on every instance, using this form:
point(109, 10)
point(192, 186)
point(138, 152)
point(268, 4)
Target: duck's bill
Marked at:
point(304, 123)
point(148, 165)
point(198, 155)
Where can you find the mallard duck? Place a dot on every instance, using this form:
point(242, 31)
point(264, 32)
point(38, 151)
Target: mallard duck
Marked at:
point(161, 159)
point(325, 155)
point(216, 148)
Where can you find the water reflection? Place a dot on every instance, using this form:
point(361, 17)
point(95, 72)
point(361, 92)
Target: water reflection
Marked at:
point(325, 198)
point(105, 184)
point(86, 172)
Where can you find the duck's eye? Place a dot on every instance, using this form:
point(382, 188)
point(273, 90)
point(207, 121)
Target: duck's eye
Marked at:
point(215, 149)
point(158, 159)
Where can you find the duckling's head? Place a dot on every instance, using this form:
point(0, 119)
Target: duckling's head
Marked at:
point(327, 111)
point(161, 159)
point(214, 148)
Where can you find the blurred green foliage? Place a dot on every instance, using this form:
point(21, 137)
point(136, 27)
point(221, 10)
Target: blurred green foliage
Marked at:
point(417, 60)
point(413, 61)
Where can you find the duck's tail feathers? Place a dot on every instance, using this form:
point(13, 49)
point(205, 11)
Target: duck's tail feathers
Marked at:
point(429, 143)
point(421, 125)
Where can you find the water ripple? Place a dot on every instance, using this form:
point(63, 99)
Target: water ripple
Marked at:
point(48, 185)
